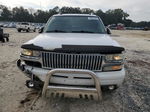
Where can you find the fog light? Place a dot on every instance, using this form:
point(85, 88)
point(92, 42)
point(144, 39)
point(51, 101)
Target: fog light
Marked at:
point(30, 84)
point(111, 87)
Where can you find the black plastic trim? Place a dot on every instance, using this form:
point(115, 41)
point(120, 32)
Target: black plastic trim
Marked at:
point(79, 49)
point(32, 47)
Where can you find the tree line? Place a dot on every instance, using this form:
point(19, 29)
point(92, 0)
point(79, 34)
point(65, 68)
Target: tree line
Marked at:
point(20, 14)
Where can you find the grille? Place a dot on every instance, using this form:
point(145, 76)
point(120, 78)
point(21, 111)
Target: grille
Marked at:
point(51, 60)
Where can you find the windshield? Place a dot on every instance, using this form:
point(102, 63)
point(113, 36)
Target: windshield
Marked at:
point(75, 24)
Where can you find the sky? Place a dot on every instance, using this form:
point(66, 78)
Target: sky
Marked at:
point(139, 10)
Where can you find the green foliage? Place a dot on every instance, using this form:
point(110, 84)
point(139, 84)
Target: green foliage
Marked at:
point(20, 14)
point(6, 14)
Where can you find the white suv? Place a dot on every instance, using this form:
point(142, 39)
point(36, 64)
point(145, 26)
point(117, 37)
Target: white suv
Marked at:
point(69, 50)
point(25, 27)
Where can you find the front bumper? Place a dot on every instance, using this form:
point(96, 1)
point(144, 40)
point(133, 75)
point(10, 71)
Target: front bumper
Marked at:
point(105, 78)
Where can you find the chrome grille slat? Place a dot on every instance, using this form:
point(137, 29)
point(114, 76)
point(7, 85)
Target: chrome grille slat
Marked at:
point(43, 59)
point(71, 61)
point(94, 66)
point(65, 58)
point(75, 65)
point(48, 55)
point(99, 62)
point(82, 62)
point(57, 61)
point(88, 62)
point(77, 60)
point(85, 63)
point(52, 60)
point(91, 63)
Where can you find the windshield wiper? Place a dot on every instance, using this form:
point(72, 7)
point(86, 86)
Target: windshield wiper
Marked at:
point(82, 31)
point(56, 31)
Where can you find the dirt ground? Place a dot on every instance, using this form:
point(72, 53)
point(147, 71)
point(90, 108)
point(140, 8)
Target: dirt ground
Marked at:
point(132, 96)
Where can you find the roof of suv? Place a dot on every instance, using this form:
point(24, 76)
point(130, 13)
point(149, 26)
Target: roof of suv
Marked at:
point(76, 15)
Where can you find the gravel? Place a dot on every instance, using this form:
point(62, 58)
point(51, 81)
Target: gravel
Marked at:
point(132, 96)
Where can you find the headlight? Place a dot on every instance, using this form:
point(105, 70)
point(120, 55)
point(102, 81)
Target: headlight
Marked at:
point(36, 53)
point(28, 52)
point(114, 57)
point(113, 62)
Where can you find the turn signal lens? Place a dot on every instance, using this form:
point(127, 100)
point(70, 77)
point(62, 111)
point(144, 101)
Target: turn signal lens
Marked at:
point(116, 67)
point(112, 68)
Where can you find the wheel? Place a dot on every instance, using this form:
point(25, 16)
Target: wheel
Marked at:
point(3, 40)
point(19, 30)
point(28, 30)
point(7, 39)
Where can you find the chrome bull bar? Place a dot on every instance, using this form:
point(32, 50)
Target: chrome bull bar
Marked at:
point(94, 93)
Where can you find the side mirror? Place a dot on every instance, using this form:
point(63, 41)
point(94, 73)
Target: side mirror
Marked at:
point(41, 30)
point(108, 31)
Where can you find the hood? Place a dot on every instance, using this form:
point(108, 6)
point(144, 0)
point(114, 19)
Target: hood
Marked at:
point(50, 41)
